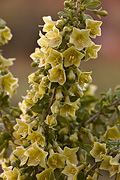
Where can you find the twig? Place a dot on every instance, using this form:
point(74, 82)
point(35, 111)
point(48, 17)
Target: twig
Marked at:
point(7, 129)
point(100, 112)
point(92, 167)
point(115, 102)
point(52, 100)
point(93, 118)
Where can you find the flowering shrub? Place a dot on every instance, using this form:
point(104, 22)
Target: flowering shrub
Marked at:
point(62, 130)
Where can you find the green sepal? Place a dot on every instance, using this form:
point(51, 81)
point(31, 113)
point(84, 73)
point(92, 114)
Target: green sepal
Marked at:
point(94, 4)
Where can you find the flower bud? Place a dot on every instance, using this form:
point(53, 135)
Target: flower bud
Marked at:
point(60, 24)
point(68, 4)
point(103, 13)
point(59, 95)
point(71, 75)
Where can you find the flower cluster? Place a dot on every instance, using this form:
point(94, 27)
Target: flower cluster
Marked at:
point(55, 137)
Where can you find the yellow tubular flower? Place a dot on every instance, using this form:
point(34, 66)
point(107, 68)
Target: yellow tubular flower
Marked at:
point(69, 108)
point(44, 175)
point(98, 151)
point(72, 56)
point(51, 120)
point(56, 161)
point(57, 74)
point(36, 155)
point(54, 36)
point(112, 133)
point(91, 52)
point(4, 63)
point(5, 35)
point(39, 56)
point(94, 27)
point(9, 83)
point(48, 23)
point(19, 152)
point(109, 163)
point(71, 170)
point(44, 43)
point(36, 137)
point(80, 38)
point(70, 154)
point(13, 174)
point(55, 58)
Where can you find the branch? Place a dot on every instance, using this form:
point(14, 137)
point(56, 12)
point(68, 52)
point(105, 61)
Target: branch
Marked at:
point(100, 112)
point(7, 129)
point(93, 118)
point(92, 167)
point(52, 100)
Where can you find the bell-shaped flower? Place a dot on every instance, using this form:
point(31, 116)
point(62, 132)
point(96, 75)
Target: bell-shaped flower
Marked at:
point(57, 74)
point(56, 160)
point(98, 151)
point(13, 174)
point(55, 37)
point(83, 78)
point(39, 57)
point(55, 107)
point(109, 163)
point(71, 170)
point(91, 52)
point(72, 56)
point(59, 95)
point(70, 154)
point(55, 58)
point(36, 155)
point(44, 175)
point(35, 136)
point(48, 23)
point(94, 27)
point(5, 35)
point(44, 43)
point(45, 82)
point(21, 127)
point(69, 108)
point(51, 120)
point(9, 83)
point(80, 38)
point(4, 63)
point(19, 152)
point(74, 137)
point(76, 90)
point(112, 133)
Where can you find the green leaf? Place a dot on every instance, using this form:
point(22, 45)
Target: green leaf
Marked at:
point(114, 142)
point(86, 1)
point(81, 176)
point(117, 92)
point(94, 4)
point(61, 119)
point(36, 108)
point(2, 23)
point(64, 15)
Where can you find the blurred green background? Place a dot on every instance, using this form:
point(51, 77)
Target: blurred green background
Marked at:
point(24, 16)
